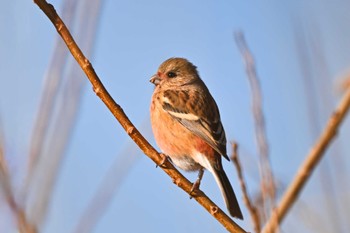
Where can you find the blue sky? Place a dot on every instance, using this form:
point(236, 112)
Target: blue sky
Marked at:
point(133, 38)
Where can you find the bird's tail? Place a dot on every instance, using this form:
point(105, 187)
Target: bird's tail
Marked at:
point(227, 192)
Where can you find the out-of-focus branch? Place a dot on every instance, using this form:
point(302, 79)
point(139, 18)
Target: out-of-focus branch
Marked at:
point(66, 105)
point(254, 214)
point(110, 185)
point(268, 188)
point(22, 222)
point(309, 163)
point(106, 190)
point(119, 114)
point(52, 82)
point(318, 99)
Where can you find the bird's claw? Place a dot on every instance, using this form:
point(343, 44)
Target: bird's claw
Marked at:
point(195, 188)
point(162, 162)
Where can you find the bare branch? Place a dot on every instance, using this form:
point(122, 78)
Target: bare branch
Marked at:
point(119, 114)
point(268, 187)
point(254, 214)
point(52, 82)
point(66, 105)
point(310, 163)
point(319, 102)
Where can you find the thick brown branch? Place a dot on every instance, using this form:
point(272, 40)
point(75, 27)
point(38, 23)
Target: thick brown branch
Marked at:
point(309, 164)
point(119, 114)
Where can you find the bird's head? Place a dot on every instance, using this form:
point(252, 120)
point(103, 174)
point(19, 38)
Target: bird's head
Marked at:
point(175, 72)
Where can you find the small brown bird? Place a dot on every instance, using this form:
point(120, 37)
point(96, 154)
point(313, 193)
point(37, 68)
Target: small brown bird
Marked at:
point(187, 127)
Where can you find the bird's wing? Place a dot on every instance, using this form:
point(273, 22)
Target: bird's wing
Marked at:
point(198, 112)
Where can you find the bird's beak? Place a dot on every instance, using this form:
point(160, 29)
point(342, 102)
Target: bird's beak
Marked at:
point(155, 79)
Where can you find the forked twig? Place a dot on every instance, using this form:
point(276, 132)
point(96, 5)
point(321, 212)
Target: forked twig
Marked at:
point(119, 114)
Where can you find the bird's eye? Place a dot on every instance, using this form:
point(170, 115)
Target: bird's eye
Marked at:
point(171, 74)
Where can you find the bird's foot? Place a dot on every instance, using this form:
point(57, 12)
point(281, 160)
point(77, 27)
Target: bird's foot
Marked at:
point(195, 186)
point(162, 162)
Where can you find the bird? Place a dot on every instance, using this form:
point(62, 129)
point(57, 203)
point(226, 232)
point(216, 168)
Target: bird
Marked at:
point(187, 127)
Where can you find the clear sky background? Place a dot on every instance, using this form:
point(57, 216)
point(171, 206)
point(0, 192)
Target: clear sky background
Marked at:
point(132, 39)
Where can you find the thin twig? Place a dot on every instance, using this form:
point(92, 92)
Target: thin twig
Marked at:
point(310, 163)
point(268, 187)
point(119, 114)
point(254, 214)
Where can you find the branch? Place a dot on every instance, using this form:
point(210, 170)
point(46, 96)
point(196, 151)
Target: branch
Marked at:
point(131, 130)
point(309, 164)
point(268, 188)
point(66, 105)
point(52, 83)
point(35, 193)
point(22, 222)
point(110, 184)
point(254, 214)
